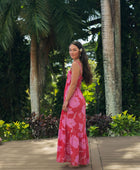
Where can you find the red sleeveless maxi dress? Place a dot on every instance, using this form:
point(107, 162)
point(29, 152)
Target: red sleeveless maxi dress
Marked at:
point(72, 143)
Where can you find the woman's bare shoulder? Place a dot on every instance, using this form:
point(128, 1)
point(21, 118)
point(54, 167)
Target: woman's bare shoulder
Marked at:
point(75, 64)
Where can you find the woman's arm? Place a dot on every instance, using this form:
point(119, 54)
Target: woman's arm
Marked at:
point(74, 79)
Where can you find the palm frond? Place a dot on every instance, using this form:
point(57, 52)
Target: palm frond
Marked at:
point(35, 17)
point(8, 13)
point(65, 21)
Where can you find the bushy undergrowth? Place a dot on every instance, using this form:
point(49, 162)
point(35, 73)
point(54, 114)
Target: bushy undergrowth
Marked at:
point(99, 125)
point(119, 125)
point(124, 125)
point(47, 126)
point(43, 126)
point(14, 131)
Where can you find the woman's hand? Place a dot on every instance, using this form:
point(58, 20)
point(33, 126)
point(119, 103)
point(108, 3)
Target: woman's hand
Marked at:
point(65, 104)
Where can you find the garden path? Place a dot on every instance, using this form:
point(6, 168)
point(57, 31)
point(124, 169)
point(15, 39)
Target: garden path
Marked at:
point(106, 153)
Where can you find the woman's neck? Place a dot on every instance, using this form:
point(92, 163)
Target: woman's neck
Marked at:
point(76, 59)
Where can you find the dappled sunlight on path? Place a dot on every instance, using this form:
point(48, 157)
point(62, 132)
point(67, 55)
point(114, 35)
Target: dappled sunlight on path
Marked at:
point(31, 155)
point(106, 153)
point(119, 153)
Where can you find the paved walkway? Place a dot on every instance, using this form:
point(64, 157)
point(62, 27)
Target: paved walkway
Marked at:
point(106, 153)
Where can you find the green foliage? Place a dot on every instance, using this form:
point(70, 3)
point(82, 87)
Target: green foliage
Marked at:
point(66, 22)
point(59, 96)
point(14, 80)
point(48, 97)
point(130, 31)
point(35, 18)
point(93, 131)
point(44, 19)
point(9, 13)
point(100, 121)
point(120, 125)
point(124, 125)
point(14, 131)
point(100, 72)
point(52, 99)
point(89, 92)
point(63, 19)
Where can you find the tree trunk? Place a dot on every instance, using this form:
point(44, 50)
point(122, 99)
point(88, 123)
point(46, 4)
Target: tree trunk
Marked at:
point(111, 38)
point(117, 35)
point(43, 52)
point(34, 77)
point(108, 56)
point(45, 46)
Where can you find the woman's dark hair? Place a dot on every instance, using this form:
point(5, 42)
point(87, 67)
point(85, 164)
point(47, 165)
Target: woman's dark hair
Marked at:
point(87, 75)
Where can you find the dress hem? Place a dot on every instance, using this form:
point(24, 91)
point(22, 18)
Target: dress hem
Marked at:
point(72, 163)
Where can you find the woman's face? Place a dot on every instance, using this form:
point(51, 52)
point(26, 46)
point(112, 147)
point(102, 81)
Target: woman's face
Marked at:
point(74, 52)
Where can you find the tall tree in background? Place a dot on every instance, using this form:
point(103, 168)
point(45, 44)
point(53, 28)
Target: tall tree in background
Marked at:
point(12, 15)
point(35, 24)
point(32, 17)
point(118, 64)
point(37, 19)
point(110, 13)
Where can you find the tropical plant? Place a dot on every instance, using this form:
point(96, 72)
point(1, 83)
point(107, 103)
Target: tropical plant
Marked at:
point(93, 131)
point(124, 125)
point(42, 21)
point(100, 121)
point(14, 131)
point(43, 126)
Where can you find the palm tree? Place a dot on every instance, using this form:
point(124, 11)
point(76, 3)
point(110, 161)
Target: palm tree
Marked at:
point(110, 11)
point(117, 36)
point(34, 23)
point(38, 19)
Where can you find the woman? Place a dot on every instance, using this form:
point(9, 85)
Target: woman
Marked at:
point(72, 138)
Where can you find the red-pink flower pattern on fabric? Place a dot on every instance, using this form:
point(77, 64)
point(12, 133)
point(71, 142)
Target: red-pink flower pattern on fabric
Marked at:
point(72, 138)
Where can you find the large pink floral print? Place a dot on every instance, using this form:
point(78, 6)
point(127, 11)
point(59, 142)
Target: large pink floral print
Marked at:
point(74, 102)
point(74, 141)
point(71, 123)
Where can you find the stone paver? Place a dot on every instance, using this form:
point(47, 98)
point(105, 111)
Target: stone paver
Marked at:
point(118, 153)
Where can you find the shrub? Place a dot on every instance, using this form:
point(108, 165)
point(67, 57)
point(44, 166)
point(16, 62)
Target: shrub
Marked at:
point(14, 131)
point(43, 126)
point(100, 121)
point(93, 131)
point(124, 125)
